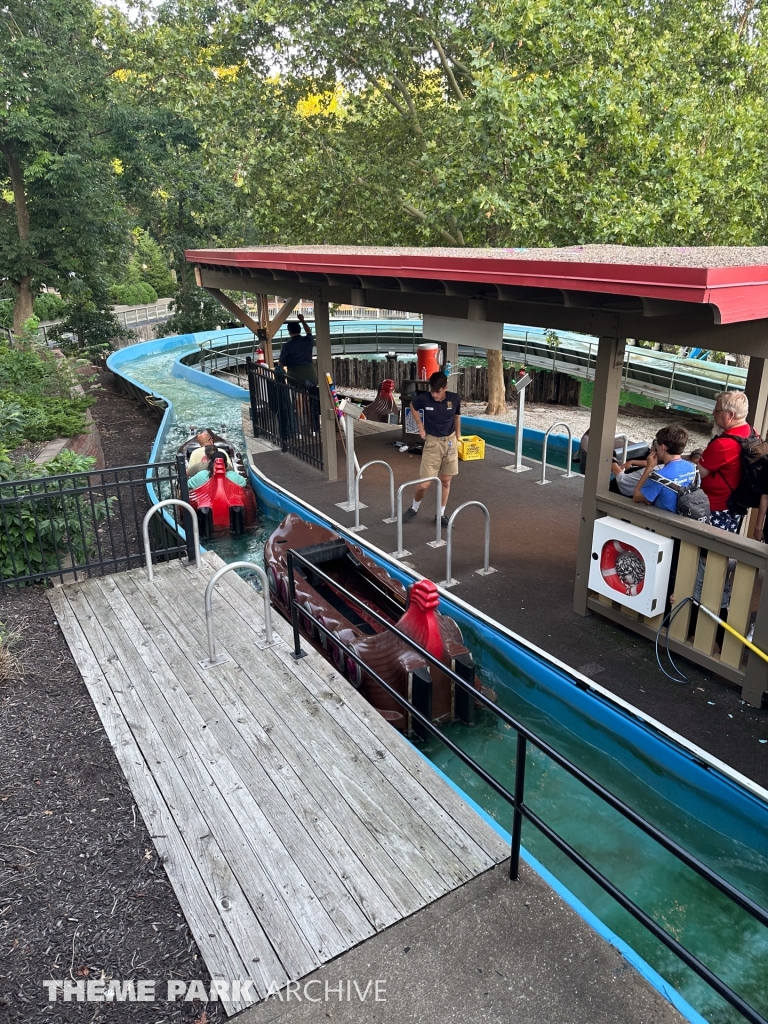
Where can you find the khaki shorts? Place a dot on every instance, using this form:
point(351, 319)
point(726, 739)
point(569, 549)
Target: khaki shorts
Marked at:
point(440, 456)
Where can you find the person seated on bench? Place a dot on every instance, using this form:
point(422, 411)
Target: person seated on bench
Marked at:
point(665, 459)
point(197, 459)
point(212, 453)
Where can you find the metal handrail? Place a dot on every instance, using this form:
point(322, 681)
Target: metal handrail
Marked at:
point(357, 528)
point(212, 659)
point(486, 570)
point(516, 800)
point(569, 457)
point(145, 532)
point(438, 542)
point(625, 450)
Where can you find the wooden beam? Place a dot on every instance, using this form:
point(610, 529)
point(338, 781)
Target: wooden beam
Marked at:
point(282, 315)
point(233, 308)
point(602, 432)
point(327, 410)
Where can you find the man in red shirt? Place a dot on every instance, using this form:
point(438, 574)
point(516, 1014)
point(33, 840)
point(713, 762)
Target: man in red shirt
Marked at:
point(720, 463)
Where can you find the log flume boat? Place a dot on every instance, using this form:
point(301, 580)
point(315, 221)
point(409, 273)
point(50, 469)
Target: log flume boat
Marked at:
point(414, 612)
point(221, 504)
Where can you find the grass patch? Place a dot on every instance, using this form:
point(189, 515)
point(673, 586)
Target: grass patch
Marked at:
point(625, 398)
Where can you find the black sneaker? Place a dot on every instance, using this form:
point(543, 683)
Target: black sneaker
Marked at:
point(443, 520)
point(409, 514)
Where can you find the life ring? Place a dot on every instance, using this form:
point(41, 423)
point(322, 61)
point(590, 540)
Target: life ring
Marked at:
point(623, 568)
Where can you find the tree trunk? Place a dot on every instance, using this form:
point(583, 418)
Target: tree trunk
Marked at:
point(496, 404)
point(23, 307)
point(742, 361)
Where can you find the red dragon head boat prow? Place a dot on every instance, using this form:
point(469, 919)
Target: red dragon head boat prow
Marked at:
point(219, 494)
point(420, 621)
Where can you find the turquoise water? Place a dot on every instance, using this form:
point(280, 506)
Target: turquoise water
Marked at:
point(725, 938)
point(193, 408)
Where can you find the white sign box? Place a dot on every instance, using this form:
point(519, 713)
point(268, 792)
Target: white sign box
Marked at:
point(480, 333)
point(630, 565)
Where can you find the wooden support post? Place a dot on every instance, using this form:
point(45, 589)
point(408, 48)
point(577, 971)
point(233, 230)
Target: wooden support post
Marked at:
point(602, 432)
point(756, 390)
point(263, 304)
point(327, 409)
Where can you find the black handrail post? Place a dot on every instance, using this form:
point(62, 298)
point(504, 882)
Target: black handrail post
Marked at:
point(186, 518)
point(249, 364)
point(297, 651)
point(517, 814)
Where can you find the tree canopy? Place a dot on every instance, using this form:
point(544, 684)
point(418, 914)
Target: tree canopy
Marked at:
point(425, 122)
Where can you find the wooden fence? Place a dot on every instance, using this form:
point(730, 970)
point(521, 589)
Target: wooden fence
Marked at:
point(557, 388)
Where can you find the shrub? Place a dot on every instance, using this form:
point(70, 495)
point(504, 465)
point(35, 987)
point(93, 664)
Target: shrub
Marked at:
point(139, 294)
point(45, 529)
point(49, 307)
point(35, 402)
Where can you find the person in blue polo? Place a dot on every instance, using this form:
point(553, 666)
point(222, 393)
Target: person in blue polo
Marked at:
point(437, 412)
point(665, 460)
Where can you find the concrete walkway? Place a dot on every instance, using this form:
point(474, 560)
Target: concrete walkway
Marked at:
point(493, 952)
point(534, 537)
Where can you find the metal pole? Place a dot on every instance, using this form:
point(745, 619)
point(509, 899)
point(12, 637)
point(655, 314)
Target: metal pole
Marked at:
point(517, 814)
point(486, 570)
point(671, 383)
point(438, 542)
point(297, 652)
point(145, 533)
point(212, 659)
point(625, 449)
point(357, 528)
point(181, 469)
point(569, 456)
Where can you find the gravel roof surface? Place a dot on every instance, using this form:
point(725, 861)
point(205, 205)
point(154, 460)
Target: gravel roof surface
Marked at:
point(693, 256)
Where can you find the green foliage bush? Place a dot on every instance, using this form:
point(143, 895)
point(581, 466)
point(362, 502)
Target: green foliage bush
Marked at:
point(49, 307)
point(138, 294)
point(35, 402)
point(45, 529)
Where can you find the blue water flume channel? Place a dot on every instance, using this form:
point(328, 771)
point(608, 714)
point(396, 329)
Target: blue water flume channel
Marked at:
point(718, 821)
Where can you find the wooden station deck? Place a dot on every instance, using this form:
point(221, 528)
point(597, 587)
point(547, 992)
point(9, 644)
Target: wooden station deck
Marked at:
point(292, 820)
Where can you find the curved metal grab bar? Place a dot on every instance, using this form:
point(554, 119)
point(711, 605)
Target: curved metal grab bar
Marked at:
point(569, 457)
point(438, 542)
point(392, 518)
point(625, 451)
point(486, 570)
point(145, 532)
point(212, 659)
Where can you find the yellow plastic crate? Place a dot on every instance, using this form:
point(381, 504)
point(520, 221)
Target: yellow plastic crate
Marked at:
point(471, 447)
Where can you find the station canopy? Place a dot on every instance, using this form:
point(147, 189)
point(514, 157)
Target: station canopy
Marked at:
point(713, 297)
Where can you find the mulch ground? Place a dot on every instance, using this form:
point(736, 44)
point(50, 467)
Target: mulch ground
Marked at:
point(83, 895)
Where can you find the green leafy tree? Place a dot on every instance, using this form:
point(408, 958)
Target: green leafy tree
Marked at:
point(59, 212)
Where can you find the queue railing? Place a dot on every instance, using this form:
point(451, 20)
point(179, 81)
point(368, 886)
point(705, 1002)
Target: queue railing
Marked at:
point(516, 799)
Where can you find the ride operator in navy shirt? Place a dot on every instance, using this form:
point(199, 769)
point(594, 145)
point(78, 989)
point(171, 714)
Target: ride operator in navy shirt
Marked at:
point(437, 413)
point(296, 354)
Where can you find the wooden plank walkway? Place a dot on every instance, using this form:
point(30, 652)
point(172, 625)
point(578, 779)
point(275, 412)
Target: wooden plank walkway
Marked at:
point(293, 821)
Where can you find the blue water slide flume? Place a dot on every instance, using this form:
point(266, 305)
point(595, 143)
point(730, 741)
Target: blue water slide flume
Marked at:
point(716, 814)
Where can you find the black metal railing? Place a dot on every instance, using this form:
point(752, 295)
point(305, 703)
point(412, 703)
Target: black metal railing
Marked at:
point(286, 412)
point(82, 524)
point(516, 800)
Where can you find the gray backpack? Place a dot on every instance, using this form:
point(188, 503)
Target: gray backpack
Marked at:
point(692, 502)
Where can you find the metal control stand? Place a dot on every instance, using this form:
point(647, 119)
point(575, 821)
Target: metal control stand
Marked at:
point(351, 413)
point(520, 386)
